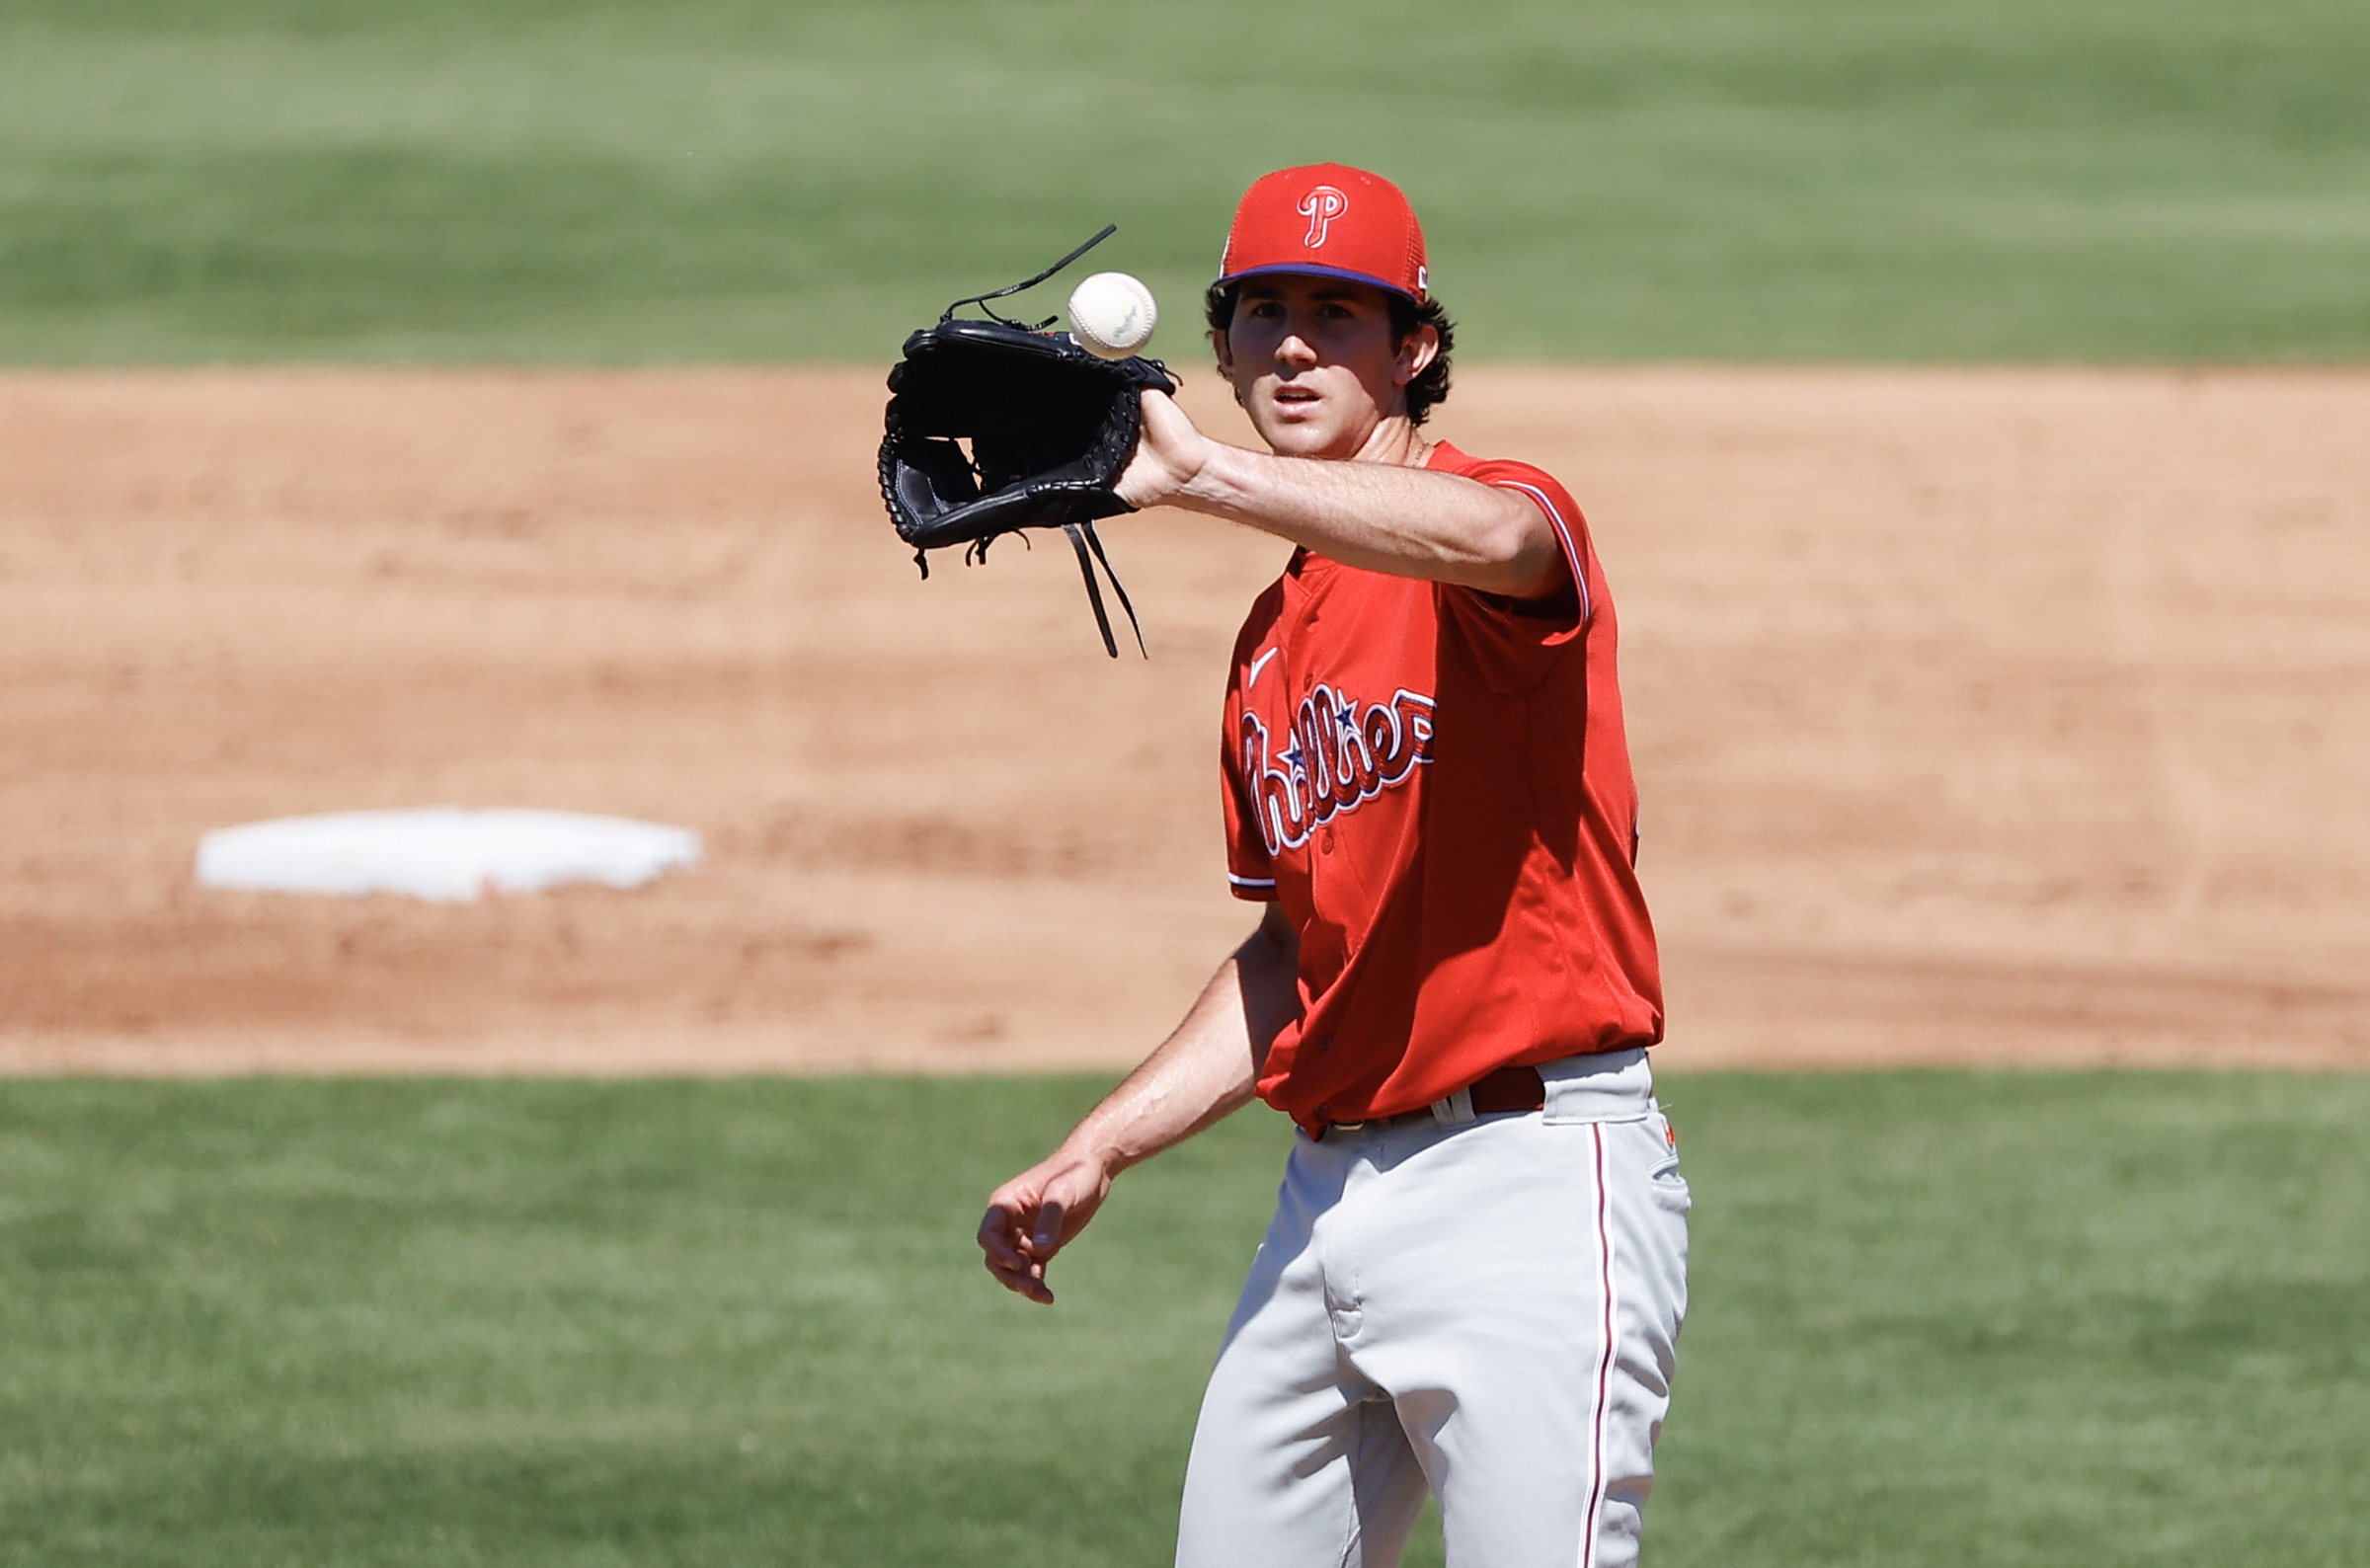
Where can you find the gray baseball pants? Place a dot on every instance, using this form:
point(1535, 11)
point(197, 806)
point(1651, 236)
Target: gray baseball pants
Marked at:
point(1485, 1309)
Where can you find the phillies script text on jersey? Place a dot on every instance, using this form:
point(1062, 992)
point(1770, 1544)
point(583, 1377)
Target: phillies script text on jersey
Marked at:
point(1338, 757)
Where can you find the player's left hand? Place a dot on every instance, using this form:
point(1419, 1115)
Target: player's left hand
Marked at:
point(1035, 1214)
point(1170, 452)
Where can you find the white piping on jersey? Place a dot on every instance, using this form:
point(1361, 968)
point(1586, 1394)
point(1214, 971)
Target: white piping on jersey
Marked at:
point(1257, 665)
point(1571, 551)
point(1250, 881)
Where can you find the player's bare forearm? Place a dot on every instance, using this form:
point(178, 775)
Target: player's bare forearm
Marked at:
point(1405, 521)
point(1376, 513)
point(1204, 1071)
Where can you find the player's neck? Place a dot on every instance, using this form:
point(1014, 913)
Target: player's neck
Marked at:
point(1397, 443)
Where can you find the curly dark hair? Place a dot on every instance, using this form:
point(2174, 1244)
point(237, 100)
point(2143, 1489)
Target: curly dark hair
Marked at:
point(1427, 389)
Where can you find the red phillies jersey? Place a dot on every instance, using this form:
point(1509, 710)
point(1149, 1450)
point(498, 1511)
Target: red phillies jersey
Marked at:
point(1434, 783)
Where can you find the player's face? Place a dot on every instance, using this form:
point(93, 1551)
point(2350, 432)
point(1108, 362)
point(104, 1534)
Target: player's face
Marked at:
point(1315, 365)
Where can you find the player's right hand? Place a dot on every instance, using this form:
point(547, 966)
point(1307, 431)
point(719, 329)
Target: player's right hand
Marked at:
point(1035, 1214)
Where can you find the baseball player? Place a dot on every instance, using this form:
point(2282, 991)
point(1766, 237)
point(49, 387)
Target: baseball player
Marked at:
point(1477, 1270)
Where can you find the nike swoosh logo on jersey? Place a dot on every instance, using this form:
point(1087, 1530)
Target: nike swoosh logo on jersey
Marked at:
point(1257, 665)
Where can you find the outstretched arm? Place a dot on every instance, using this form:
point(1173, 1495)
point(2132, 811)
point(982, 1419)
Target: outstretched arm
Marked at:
point(1204, 1071)
point(1381, 515)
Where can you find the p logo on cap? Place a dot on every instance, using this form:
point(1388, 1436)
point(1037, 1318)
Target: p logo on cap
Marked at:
point(1333, 220)
point(1320, 206)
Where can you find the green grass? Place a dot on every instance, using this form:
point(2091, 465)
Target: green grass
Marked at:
point(2083, 1320)
point(2087, 1321)
point(604, 181)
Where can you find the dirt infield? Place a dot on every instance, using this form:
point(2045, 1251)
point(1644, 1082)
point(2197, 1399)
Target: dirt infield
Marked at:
point(2015, 716)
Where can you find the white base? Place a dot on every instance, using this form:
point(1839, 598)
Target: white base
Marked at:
point(441, 853)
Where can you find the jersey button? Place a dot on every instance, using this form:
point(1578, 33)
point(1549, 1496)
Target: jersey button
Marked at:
point(1325, 842)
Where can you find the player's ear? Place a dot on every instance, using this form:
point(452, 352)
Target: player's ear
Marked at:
point(1416, 350)
point(1225, 359)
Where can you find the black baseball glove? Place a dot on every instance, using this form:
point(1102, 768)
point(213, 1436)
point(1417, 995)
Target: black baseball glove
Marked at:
point(993, 427)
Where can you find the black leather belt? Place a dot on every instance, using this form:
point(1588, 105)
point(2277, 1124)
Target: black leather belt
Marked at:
point(1508, 1089)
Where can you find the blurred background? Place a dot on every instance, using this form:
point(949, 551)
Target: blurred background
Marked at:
point(578, 181)
point(475, 405)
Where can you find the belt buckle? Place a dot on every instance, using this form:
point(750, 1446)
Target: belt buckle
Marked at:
point(1363, 1123)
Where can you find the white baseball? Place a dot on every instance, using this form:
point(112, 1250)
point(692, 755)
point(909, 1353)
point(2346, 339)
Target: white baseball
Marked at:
point(1111, 315)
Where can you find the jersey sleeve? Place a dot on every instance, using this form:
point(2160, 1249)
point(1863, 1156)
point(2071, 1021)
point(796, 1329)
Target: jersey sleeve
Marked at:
point(1250, 873)
point(1516, 640)
point(1250, 869)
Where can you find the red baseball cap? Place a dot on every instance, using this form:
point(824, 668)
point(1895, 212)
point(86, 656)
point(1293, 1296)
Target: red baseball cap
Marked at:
point(1329, 220)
